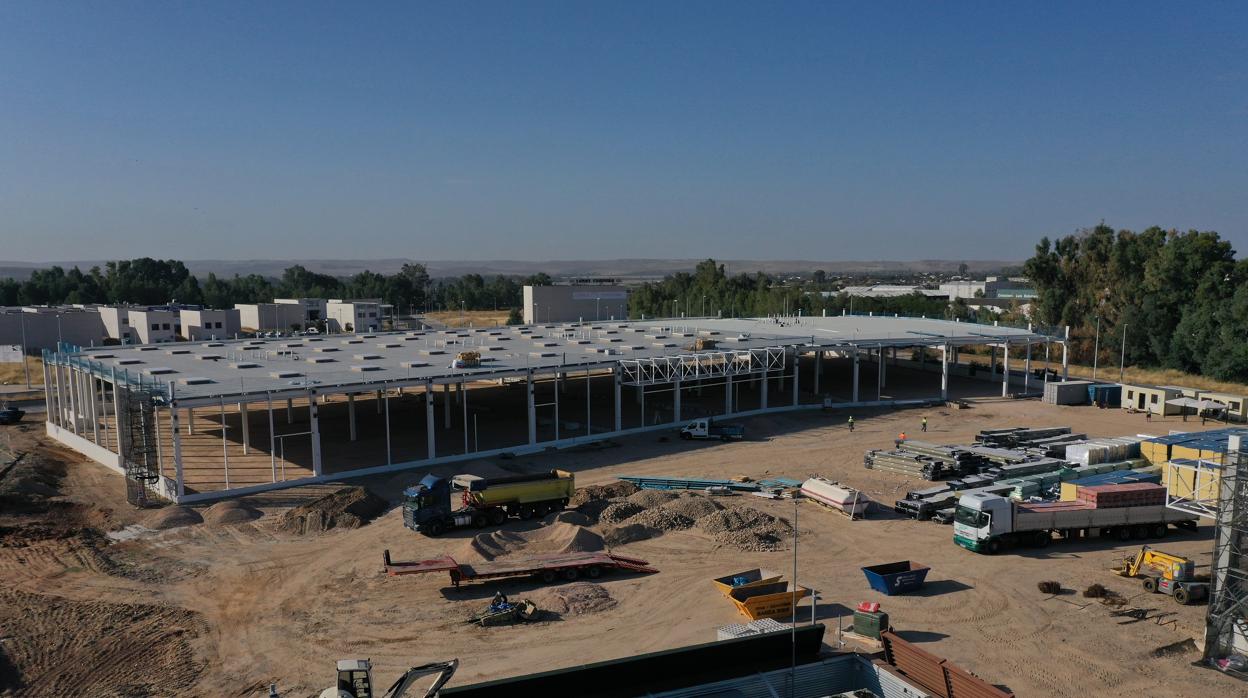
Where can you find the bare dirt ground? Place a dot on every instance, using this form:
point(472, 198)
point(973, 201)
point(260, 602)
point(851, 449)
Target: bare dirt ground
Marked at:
point(219, 609)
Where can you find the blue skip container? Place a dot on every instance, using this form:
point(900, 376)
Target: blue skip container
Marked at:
point(896, 577)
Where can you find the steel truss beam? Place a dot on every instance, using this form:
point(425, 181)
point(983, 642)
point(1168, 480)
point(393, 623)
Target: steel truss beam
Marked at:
point(702, 365)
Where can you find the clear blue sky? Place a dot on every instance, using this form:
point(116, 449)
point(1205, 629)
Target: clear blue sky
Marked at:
point(571, 130)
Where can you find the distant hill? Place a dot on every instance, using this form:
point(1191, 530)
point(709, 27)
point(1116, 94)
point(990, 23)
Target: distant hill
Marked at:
point(622, 268)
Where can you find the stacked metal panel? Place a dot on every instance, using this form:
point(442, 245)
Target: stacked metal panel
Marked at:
point(1067, 393)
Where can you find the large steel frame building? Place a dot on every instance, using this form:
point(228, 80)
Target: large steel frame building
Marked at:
point(198, 421)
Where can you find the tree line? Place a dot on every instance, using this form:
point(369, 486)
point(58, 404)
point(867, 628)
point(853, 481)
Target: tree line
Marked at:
point(147, 281)
point(1179, 299)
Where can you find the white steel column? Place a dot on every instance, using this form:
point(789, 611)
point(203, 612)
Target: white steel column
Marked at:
point(190, 421)
point(268, 401)
point(992, 363)
point(431, 450)
point(855, 394)
point(879, 379)
point(818, 371)
point(95, 413)
point(1027, 370)
point(619, 405)
point(314, 418)
point(676, 401)
point(728, 394)
point(463, 401)
point(60, 396)
point(1005, 370)
point(73, 397)
point(883, 370)
point(117, 411)
point(242, 414)
point(528, 384)
point(176, 429)
point(160, 460)
point(1065, 361)
point(589, 403)
point(351, 416)
point(944, 372)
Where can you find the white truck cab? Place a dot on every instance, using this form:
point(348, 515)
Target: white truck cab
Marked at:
point(697, 429)
point(980, 517)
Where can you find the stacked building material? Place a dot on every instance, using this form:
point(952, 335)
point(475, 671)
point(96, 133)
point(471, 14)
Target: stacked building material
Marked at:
point(1067, 393)
point(1069, 490)
point(1137, 494)
point(1000, 456)
point(1014, 470)
point(1104, 450)
point(911, 464)
point(923, 509)
point(684, 483)
point(1055, 446)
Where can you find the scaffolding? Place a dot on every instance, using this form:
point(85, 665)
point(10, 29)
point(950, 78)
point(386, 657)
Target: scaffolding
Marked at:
point(139, 448)
point(1219, 491)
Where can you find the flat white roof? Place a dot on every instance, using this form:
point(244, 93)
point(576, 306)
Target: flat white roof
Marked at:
point(238, 367)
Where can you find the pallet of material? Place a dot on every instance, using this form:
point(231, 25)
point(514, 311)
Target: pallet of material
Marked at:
point(1019, 469)
point(1001, 456)
point(1135, 494)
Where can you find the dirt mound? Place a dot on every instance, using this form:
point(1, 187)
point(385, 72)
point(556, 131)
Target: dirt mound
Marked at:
point(663, 519)
point(172, 517)
point(228, 513)
point(349, 507)
point(27, 481)
point(695, 506)
point(627, 533)
point(577, 598)
point(598, 493)
point(619, 511)
point(747, 529)
point(575, 518)
point(651, 498)
point(556, 538)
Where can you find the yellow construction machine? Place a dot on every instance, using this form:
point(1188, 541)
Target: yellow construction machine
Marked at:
point(1165, 573)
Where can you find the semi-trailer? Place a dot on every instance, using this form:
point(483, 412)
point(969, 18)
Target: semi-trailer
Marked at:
point(989, 523)
point(427, 507)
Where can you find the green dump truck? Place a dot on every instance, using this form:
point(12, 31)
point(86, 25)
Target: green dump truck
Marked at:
point(428, 506)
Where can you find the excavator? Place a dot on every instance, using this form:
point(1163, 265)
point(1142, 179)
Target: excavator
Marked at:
point(355, 679)
point(1165, 573)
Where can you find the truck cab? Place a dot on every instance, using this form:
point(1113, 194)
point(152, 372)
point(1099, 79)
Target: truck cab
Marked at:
point(428, 501)
point(979, 519)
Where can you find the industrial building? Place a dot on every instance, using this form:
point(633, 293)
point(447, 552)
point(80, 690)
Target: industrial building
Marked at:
point(575, 303)
point(1150, 398)
point(361, 315)
point(990, 287)
point(197, 421)
point(41, 327)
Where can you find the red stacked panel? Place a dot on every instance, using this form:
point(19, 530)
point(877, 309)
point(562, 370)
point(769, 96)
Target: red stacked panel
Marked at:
point(1134, 494)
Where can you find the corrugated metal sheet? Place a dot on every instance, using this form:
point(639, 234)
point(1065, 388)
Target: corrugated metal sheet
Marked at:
point(933, 673)
point(885, 681)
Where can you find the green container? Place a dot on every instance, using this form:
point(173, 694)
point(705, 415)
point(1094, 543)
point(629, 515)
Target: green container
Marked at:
point(870, 624)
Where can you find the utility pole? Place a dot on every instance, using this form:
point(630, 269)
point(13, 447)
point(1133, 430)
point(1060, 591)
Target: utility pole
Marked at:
point(1096, 347)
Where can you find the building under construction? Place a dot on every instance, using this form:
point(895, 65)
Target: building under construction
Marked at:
point(202, 420)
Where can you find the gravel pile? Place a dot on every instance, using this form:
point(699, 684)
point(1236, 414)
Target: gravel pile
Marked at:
point(663, 519)
point(694, 506)
point(578, 598)
point(626, 533)
point(747, 529)
point(619, 511)
point(651, 498)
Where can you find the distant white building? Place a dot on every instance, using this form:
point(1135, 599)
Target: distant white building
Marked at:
point(990, 287)
point(885, 291)
point(270, 317)
point(572, 302)
point(210, 324)
point(361, 315)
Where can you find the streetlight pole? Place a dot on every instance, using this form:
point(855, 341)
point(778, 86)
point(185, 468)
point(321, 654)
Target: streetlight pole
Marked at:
point(1096, 347)
point(704, 305)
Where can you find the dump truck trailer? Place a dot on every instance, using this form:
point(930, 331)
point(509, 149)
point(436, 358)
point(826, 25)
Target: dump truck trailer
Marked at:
point(547, 568)
point(989, 523)
point(428, 507)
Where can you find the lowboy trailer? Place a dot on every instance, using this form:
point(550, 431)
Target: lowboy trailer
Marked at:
point(548, 568)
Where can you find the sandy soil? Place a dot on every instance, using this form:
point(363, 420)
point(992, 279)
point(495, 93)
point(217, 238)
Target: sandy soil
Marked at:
point(223, 610)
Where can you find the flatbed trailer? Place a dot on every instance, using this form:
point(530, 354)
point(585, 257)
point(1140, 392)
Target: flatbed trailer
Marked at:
point(548, 568)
